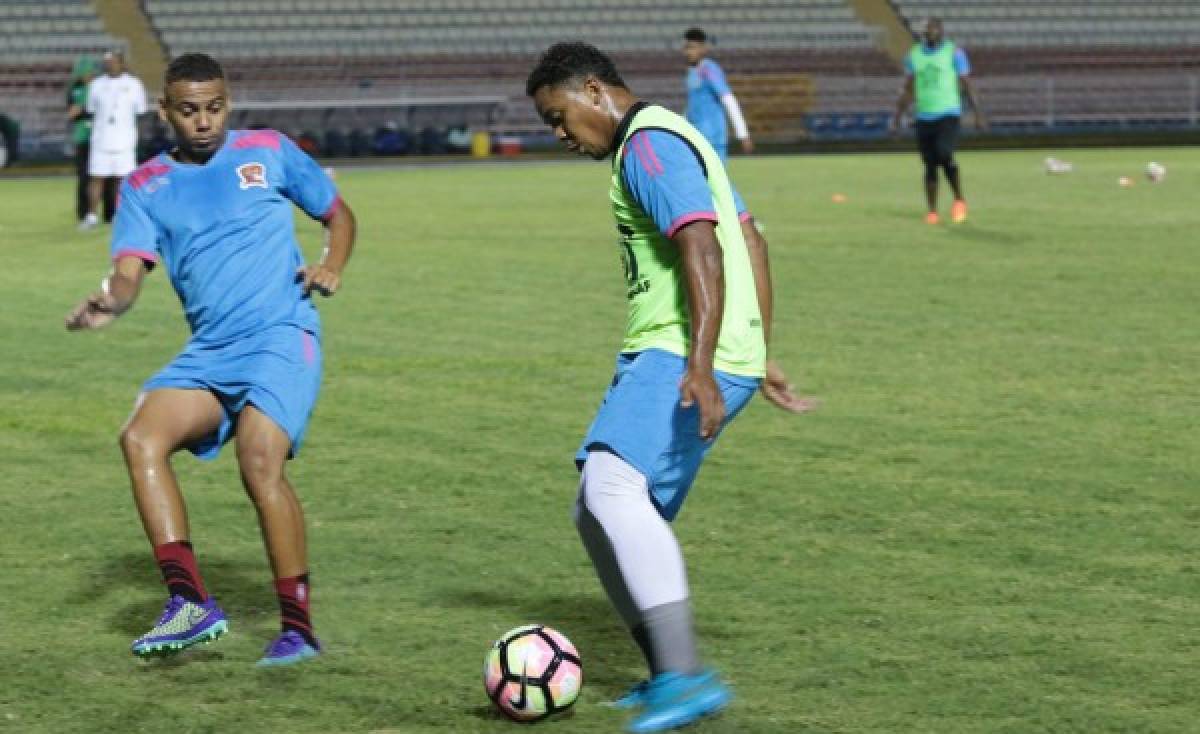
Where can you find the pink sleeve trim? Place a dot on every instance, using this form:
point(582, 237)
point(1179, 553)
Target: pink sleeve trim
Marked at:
point(258, 139)
point(744, 217)
point(337, 202)
point(687, 219)
point(144, 255)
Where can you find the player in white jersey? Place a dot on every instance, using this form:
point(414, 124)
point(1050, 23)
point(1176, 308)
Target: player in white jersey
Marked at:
point(115, 99)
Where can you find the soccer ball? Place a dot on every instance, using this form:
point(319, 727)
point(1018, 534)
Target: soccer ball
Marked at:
point(1156, 172)
point(532, 672)
point(1056, 166)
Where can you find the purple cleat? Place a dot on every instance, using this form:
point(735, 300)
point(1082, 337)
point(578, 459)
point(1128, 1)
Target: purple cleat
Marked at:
point(182, 624)
point(288, 648)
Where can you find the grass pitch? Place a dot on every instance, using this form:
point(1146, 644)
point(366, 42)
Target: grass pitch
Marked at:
point(991, 525)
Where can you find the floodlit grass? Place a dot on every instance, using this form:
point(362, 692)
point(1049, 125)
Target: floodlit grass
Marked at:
point(991, 526)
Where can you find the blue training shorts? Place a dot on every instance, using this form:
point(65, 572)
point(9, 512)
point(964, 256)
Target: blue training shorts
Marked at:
point(641, 421)
point(277, 370)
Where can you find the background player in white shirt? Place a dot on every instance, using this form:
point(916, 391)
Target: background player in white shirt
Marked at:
point(115, 99)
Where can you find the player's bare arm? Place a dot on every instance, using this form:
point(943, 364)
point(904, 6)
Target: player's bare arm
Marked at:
point(968, 93)
point(117, 293)
point(340, 231)
point(902, 104)
point(775, 386)
point(704, 273)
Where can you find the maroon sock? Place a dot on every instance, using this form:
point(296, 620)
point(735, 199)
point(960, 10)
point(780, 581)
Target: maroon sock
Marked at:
point(179, 572)
point(293, 593)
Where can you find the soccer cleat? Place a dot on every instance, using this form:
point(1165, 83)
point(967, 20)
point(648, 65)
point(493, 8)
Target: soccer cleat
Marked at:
point(673, 700)
point(932, 218)
point(634, 698)
point(182, 624)
point(288, 648)
point(89, 222)
point(958, 211)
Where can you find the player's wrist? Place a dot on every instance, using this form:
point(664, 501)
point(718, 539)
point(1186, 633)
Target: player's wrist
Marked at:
point(110, 302)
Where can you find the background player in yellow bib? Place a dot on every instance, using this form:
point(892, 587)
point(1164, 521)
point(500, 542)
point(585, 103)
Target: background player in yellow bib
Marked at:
point(694, 353)
point(938, 78)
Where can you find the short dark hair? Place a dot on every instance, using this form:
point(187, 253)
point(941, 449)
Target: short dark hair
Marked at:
point(695, 34)
point(193, 67)
point(574, 60)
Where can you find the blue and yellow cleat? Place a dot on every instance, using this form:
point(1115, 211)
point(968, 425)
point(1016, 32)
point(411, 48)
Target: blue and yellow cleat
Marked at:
point(182, 624)
point(673, 700)
point(288, 648)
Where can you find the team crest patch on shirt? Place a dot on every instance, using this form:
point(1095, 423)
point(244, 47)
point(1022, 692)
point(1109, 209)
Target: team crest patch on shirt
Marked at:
point(252, 175)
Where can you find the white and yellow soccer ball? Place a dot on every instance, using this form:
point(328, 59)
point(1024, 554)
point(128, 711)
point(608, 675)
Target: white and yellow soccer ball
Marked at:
point(1156, 172)
point(532, 672)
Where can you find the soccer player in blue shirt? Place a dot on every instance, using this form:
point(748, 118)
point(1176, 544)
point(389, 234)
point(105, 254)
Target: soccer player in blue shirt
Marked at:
point(709, 98)
point(216, 213)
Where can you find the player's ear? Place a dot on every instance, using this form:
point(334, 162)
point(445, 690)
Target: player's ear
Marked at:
point(162, 108)
point(594, 91)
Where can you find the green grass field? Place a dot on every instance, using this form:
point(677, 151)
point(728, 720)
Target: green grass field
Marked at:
point(992, 524)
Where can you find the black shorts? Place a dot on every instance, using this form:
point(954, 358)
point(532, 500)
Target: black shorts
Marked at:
point(936, 139)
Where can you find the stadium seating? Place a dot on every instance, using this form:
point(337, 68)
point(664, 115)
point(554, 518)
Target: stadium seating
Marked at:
point(270, 28)
point(277, 49)
point(49, 31)
point(1058, 23)
point(1069, 65)
point(40, 40)
point(802, 68)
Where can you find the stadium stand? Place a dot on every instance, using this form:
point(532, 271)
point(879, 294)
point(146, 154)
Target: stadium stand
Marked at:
point(270, 28)
point(1059, 23)
point(41, 39)
point(1047, 65)
point(380, 49)
point(803, 69)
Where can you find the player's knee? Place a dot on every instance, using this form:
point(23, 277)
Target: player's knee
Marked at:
point(140, 444)
point(262, 471)
point(930, 172)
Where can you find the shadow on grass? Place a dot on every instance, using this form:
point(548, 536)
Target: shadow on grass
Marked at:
point(966, 231)
point(984, 235)
point(491, 713)
point(244, 590)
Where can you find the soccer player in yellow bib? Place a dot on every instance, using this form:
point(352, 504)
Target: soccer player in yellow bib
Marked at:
point(694, 353)
point(938, 79)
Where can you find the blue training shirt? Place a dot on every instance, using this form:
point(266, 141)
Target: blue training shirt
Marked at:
point(225, 233)
point(961, 65)
point(705, 86)
point(665, 177)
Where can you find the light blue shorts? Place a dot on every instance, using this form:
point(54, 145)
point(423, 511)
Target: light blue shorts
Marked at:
point(642, 422)
point(278, 371)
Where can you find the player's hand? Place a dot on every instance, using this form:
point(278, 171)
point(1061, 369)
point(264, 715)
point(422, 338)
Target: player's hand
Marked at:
point(747, 146)
point(698, 387)
point(96, 311)
point(778, 392)
point(325, 280)
point(894, 127)
point(981, 123)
